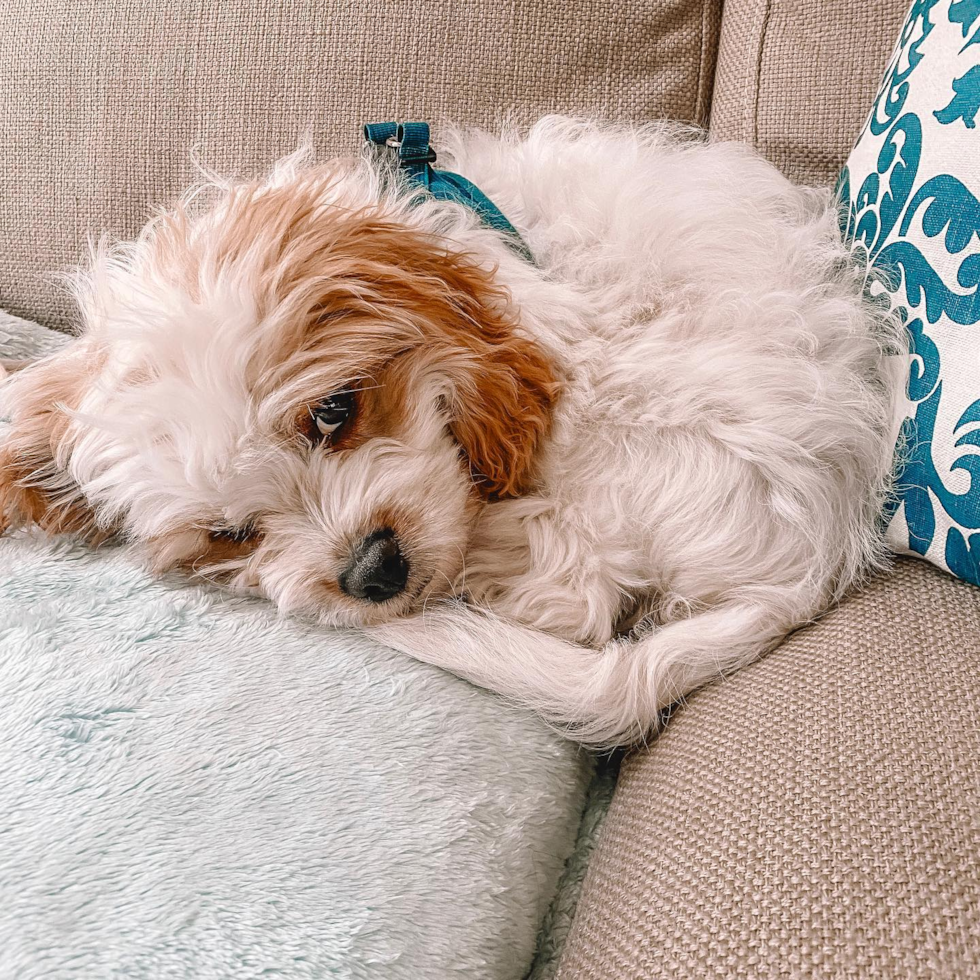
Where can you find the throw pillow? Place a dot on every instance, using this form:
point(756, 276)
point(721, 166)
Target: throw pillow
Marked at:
point(911, 203)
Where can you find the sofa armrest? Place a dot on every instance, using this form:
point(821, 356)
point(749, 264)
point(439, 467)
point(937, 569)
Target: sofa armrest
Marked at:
point(815, 815)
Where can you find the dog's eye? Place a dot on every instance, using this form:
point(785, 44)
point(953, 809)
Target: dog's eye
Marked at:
point(330, 414)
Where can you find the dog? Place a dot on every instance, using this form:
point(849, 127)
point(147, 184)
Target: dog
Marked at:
point(591, 482)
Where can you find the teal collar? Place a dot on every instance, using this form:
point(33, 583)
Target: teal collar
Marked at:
point(415, 159)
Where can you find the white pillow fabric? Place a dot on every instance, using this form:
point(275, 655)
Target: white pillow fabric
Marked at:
point(911, 196)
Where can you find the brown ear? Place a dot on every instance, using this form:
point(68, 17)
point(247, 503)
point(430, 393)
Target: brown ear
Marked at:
point(34, 486)
point(502, 411)
point(504, 385)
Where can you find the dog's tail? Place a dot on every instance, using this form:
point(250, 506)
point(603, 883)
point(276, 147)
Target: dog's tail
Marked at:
point(604, 698)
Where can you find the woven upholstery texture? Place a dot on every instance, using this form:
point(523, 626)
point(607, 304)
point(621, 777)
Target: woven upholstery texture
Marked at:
point(815, 816)
point(100, 103)
point(797, 79)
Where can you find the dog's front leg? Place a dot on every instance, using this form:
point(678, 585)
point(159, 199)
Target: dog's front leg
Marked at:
point(525, 665)
point(605, 697)
point(35, 486)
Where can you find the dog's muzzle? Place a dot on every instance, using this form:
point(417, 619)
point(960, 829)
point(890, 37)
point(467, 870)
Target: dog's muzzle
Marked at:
point(378, 570)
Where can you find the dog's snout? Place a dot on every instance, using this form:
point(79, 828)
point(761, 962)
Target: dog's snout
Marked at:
point(378, 569)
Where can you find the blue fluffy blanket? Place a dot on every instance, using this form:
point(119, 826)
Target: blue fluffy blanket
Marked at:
point(193, 787)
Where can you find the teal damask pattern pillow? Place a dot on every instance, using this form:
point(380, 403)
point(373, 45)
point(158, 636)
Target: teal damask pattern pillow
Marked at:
point(911, 204)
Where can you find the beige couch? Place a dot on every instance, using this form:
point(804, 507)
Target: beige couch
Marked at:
point(816, 815)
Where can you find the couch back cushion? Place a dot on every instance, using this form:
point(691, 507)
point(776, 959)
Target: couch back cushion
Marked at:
point(795, 79)
point(102, 102)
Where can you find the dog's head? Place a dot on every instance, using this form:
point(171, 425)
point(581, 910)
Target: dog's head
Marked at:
point(293, 389)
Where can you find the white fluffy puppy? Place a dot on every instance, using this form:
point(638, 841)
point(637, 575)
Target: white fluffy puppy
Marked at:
point(673, 425)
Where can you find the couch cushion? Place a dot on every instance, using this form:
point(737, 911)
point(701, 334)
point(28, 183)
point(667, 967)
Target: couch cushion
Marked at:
point(796, 79)
point(101, 102)
point(816, 815)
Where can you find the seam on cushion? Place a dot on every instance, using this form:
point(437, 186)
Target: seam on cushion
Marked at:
point(695, 114)
point(708, 65)
point(758, 72)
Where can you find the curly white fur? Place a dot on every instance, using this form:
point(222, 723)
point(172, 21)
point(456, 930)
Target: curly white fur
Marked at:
point(714, 465)
point(725, 448)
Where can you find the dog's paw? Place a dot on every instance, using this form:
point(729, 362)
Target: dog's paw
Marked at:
point(35, 487)
point(415, 634)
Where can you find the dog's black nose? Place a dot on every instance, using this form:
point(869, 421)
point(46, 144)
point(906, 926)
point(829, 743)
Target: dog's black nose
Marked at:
point(378, 570)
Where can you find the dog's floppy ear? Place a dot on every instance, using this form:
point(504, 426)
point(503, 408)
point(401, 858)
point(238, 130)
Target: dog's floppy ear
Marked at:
point(34, 485)
point(458, 318)
point(503, 394)
point(503, 385)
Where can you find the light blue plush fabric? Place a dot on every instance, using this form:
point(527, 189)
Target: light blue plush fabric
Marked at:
point(195, 788)
point(911, 190)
